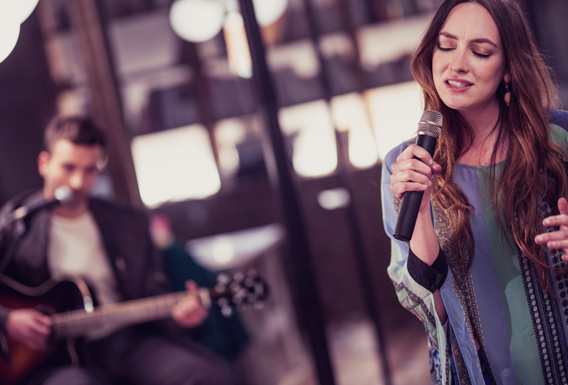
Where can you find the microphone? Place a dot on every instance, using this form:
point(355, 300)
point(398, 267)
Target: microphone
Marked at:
point(62, 195)
point(429, 129)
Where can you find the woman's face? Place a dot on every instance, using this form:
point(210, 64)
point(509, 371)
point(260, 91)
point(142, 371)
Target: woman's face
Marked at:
point(468, 62)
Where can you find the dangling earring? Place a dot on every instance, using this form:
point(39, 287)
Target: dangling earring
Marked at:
point(507, 80)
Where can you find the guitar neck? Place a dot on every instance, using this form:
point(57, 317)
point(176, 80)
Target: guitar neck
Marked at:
point(77, 323)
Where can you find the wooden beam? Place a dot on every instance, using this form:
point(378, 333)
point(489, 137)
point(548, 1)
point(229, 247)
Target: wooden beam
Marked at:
point(92, 43)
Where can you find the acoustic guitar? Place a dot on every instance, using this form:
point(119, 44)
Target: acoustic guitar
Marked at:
point(68, 301)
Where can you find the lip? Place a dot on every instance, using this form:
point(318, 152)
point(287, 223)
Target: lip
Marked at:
point(452, 88)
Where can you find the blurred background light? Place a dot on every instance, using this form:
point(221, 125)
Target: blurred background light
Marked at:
point(236, 248)
point(228, 133)
point(197, 20)
point(314, 146)
point(395, 112)
point(9, 33)
point(175, 165)
point(268, 11)
point(238, 52)
point(350, 114)
point(222, 250)
point(334, 199)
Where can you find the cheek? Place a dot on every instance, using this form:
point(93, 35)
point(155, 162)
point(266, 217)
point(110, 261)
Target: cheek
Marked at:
point(90, 181)
point(437, 69)
point(492, 73)
point(493, 79)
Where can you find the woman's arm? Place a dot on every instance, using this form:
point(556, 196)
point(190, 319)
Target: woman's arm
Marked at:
point(425, 263)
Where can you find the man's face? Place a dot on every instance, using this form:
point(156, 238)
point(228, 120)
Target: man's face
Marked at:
point(72, 165)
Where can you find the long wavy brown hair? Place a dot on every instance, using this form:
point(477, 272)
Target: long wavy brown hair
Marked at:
point(522, 132)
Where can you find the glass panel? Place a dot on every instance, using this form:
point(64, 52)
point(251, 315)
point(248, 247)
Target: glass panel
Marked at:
point(395, 112)
point(175, 165)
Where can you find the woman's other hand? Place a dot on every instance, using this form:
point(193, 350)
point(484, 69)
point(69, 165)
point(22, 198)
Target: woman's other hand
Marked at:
point(556, 239)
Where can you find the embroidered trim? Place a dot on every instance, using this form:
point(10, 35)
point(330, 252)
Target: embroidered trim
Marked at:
point(560, 281)
point(459, 362)
point(463, 287)
point(427, 317)
point(545, 314)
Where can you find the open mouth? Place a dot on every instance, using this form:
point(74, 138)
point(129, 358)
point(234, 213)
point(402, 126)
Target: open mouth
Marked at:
point(458, 84)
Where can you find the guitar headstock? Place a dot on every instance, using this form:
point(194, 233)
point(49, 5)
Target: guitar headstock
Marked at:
point(240, 290)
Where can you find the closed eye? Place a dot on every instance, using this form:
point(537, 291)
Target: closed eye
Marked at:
point(481, 55)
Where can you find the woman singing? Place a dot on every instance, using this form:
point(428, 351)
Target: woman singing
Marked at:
point(485, 269)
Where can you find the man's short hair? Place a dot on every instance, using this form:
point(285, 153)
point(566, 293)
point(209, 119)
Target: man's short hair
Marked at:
point(77, 129)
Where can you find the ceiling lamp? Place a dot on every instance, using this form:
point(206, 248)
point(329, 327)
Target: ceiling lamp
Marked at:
point(268, 11)
point(19, 9)
point(23, 8)
point(197, 20)
point(12, 14)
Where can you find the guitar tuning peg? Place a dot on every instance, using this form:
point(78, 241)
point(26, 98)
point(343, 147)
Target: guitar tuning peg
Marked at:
point(222, 302)
point(258, 305)
point(238, 277)
point(226, 310)
point(223, 278)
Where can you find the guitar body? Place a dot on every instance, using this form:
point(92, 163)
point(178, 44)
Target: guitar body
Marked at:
point(19, 363)
point(68, 301)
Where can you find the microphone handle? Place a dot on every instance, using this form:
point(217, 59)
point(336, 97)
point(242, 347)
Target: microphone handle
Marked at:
point(410, 204)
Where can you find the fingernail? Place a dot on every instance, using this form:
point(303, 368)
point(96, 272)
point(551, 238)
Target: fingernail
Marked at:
point(546, 222)
point(430, 161)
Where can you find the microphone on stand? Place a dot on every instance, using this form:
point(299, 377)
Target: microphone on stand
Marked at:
point(429, 129)
point(62, 195)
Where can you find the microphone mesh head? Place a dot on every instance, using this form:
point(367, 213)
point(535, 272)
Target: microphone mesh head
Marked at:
point(430, 123)
point(63, 194)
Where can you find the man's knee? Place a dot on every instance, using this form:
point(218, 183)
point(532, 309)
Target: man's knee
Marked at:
point(218, 374)
point(72, 375)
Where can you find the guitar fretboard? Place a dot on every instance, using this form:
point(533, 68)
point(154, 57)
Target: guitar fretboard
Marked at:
point(80, 322)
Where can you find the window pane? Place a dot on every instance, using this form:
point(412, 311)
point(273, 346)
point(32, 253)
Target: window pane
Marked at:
point(175, 165)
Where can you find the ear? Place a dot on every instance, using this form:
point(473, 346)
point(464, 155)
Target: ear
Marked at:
point(42, 162)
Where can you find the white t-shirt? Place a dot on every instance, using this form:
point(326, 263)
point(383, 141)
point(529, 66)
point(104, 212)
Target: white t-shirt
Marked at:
point(76, 247)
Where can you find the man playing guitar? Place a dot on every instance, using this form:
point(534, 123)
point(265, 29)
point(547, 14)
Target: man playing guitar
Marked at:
point(109, 247)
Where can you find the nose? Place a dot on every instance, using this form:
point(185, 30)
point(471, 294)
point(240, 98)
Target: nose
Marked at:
point(459, 62)
point(77, 181)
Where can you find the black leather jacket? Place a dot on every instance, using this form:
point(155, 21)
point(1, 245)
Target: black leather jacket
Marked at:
point(124, 232)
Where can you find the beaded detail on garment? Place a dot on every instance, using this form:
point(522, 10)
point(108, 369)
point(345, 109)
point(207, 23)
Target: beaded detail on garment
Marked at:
point(463, 287)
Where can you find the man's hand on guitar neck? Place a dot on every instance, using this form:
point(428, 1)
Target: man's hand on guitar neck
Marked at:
point(189, 312)
point(30, 327)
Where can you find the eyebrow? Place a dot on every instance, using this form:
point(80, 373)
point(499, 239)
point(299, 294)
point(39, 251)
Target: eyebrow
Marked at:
point(480, 40)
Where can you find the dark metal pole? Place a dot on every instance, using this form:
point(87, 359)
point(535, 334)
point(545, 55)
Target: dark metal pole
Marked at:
point(370, 299)
point(300, 255)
